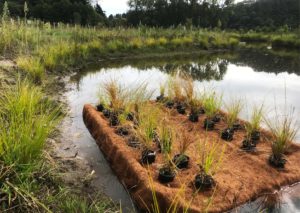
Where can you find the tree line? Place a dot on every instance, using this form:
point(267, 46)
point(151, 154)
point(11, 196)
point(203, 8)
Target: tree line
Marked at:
point(223, 14)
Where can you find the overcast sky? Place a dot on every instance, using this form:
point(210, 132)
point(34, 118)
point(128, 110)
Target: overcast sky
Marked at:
point(117, 6)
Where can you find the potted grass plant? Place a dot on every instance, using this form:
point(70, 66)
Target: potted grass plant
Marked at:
point(181, 160)
point(176, 94)
point(116, 95)
point(195, 110)
point(167, 171)
point(211, 104)
point(162, 90)
point(233, 110)
point(252, 129)
point(210, 157)
point(283, 129)
point(148, 116)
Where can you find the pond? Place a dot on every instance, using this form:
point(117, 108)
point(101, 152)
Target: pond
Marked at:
point(256, 77)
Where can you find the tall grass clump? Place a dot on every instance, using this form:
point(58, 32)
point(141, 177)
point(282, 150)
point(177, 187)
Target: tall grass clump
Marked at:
point(27, 120)
point(283, 130)
point(253, 128)
point(166, 136)
point(33, 67)
point(210, 158)
point(211, 103)
point(233, 110)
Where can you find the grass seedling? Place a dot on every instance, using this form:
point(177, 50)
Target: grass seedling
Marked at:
point(156, 207)
point(175, 89)
point(210, 158)
point(167, 172)
point(211, 103)
point(252, 127)
point(188, 88)
point(148, 122)
point(184, 140)
point(284, 130)
point(116, 94)
point(233, 111)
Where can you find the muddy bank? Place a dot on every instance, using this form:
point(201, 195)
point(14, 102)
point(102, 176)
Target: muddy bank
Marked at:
point(243, 176)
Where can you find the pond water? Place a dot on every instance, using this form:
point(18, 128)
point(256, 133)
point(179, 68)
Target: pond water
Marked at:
point(256, 77)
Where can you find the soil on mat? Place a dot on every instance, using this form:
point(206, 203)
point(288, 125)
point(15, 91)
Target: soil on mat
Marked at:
point(243, 176)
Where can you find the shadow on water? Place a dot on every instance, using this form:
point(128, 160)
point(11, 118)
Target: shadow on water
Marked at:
point(257, 76)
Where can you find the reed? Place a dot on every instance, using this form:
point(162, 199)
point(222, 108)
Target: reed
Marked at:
point(211, 102)
point(233, 110)
point(27, 120)
point(284, 130)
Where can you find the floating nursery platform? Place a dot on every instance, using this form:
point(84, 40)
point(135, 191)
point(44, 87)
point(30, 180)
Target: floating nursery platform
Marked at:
point(243, 176)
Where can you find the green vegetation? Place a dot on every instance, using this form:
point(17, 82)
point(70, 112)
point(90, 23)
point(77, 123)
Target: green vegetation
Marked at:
point(28, 180)
point(283, 129)
point(211, 103)
point(210, 156)
point(255, 120)
point(233, 110)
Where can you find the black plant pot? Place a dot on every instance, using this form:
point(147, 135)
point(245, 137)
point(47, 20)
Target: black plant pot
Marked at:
point(201, 111)
point(237, 126)
point(204, 182)
point(248, 145)
point(160, 98)
point(133, 141)
point(166, 175)
point(170, 104)
point(277, 162)
point(106, 113)
point(130, 116)
point(216, 118)
point(148, 156)
point(113, 119)
point(255, 136)
point(100, 107)
point(209, 124)
point(180, 109)
point(194, 117)
point(123, 130)
point(181, 161)
point(227, 134)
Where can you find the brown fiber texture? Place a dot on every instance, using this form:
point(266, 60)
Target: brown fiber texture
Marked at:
point(242, 177)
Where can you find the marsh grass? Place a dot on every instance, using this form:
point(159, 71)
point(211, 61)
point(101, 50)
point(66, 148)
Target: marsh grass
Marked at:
point(166, 135)
point(211, 102)
point(233, 110)
point(255, 120)
point(155, 207)
point(284, 130)
point(27, 120)
point(148, 123)
point(210, 156)
point(185, 140)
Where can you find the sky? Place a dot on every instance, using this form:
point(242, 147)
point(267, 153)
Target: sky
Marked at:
point(117, 6)
point(113, 6)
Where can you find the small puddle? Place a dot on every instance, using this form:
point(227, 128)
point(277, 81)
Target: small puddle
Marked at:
point(263, 78)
